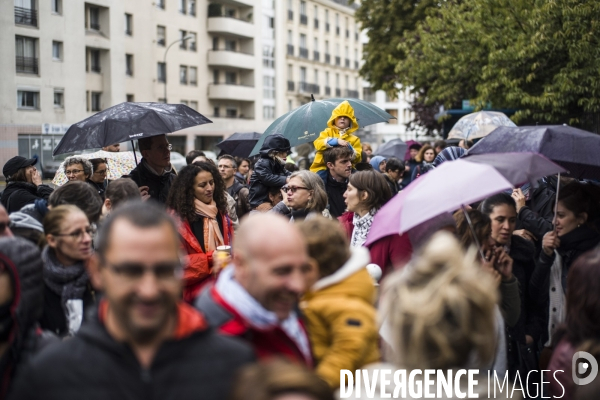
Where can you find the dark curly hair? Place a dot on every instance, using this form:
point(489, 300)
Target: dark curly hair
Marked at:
point(181, 195)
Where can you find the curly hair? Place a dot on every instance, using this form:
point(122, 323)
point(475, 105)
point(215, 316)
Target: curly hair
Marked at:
point(85, 164)
point(181, 195)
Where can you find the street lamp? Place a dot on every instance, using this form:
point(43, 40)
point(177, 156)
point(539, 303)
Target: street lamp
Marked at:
point(165, 59)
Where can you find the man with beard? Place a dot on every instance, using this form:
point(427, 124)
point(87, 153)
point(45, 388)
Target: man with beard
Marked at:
point(227, 168)
point(256, 297)
point(339, 167)
point(144, 342)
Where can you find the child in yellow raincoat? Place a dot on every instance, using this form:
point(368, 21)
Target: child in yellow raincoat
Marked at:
point(339, 131)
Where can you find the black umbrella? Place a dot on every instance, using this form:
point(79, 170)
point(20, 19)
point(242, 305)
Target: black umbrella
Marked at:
point(393, 148)
point(239, 144)
point(574, 149)
point(128, 121)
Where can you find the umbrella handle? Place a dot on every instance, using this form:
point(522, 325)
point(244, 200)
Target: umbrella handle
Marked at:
point(472, 228)
point(134, 155)
point(556, 202)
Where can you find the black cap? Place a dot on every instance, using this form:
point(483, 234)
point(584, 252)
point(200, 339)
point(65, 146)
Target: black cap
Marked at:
point(13, 165)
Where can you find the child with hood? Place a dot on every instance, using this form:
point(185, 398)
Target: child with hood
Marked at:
point(338, 305)
point(339, 132)
point(269, 171)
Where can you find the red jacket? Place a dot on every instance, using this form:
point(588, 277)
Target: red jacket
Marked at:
point(391, 252)
point(346, 221)
point(199, 264)
point(266, 342)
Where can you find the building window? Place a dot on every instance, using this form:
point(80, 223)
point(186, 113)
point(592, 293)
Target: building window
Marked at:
point(96, 101)
point(182, 7)
point(161, 72)
point(194, 105)
point(56, 6)
point(394, 113)
point(26, 55)
point(216, 76)
point(129, 24)
point(290, 10)
point(193, 76)
point(183, 77)
point(268, 112)
point(268, 87)
point(28, 100)
point(57, 51)
point(192, 41)
point(59, 98)
point(184, 102)
point(268, 57)
point(130, 98)
point(129, 64)
point(216, 112)
point(94, 13)
point(231, 112)
point(93, 61)
point(182, 43)
point(160, 4)
point(230, 45)
point(230, 78)
point(303, 16)
point(26, 13)
point(192, 7)
point(161, 35)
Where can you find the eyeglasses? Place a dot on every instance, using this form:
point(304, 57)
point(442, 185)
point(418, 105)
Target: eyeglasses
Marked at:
point(134, 272)
point(78, 234)
point(164, 147)
point(101, 172)
point(293, 189)
point(73, 171)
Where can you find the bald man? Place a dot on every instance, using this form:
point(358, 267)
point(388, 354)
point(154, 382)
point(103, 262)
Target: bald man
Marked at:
point(256, 296)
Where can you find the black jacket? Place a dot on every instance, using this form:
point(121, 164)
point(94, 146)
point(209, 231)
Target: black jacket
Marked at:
point(158, 185)
point(335, 195)
point(24, 265)
point(93, 366)
point(19, 194)
point(53, 318)
point(393, 185)
point(100, 187)
point(268, 173)
point(537, 214)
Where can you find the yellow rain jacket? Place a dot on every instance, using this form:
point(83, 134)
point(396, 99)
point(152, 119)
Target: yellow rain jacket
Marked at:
point(341, 319)
point(344, 109)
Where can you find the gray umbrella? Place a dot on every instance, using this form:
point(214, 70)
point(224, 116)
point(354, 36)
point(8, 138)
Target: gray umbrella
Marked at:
point(393, 148)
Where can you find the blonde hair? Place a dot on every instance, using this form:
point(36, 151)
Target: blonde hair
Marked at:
point(441, 309)
point(421, 155)
point(313, 182)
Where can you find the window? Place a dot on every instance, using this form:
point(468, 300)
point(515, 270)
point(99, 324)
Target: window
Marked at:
point(161, 35)
point(290, 37)
point(59, 98)
point(302, 74)
point(192, 41)
point(129, 98)
point(162, 100)
point(56, 6)
point(231, 112)
point(216, 76)
point(96, 101)
point(215, 43)
point(337, 24)
point(193, 76)
point(26, 55)
point(290, 104)
point(326, 20)
point(182, 43)
point(316, 44)
point(28, 100)
point(161, 72)
point(160, 4)
point(182, 6)
point(93, 61)
point(216, 112)
point(316, 81)
point(94, 18)
point(129, 64)
point(394, 113)
point(183, 78)
point(230, 78)
point(129, 24)
point(268, 87)
point(184, 102)
point(290, 72)
point(303, 16)
point(268, 112)
point(26, 13)
point(57, 51)
point(268, 57)
point(194, 105)
point(192, 7)
point(290, 10)
point(230, 45)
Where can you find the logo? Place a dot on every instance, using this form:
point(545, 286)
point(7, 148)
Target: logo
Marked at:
point(136, 135)
point(584, 367)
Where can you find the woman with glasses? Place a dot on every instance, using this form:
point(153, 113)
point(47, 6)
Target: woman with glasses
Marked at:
point(197, 198)
point(77, 169)
point(67, 289)
point(303, 196)
point(98, 178)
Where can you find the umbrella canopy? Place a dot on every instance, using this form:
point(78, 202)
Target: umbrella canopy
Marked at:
point(239, 144)
point(393, 148)
point(117, 165)
point(478, 125)
point(409, 143)
point(128, 121)
point(304, 124)
point(574, 149)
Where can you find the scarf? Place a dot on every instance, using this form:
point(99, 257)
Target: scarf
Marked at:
point(70, 283)
point(212, 234)
point(253, 312)
point(557, 311)
point(362, 225)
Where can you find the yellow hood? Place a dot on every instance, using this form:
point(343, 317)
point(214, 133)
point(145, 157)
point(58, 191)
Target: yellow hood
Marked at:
point(344, 109)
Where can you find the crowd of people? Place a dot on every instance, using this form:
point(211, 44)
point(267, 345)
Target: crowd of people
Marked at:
point(253, 279)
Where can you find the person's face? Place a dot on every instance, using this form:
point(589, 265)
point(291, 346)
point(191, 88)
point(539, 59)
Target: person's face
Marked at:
point(99, 174)
point(395, 175)
point(438, 150)
point(244, 168)
point(297, 194)
point(413, 153)
point(73, 241)
point(566, 220)
point(275, 275)
point(353, 198)
point(504, 220)
point(75, 172)
point(29, 171)
point(4, 224)
point(342, 122)
point(226, 168)
point(141, 278)
point(429, 155)
point(369, 152)
point(382, 166)
point(204, 187)
point(159, 153)
point(342, 167)
point(114, 148)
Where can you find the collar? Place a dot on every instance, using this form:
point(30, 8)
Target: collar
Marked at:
point(166, 171)
point(359, 259)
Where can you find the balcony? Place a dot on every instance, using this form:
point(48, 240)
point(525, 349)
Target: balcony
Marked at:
point(316, 23)
point(327, 91)
point(290, 49)
point(27, 65)
point(303, 52)
point(316, 55)
point(95, 26)
point(338, 92)
point(327, 58)
point(303, 19)
point(352, 94)
point(230, 26)
point(290, 15)
point(26, 16)
point(225, 91)
point(308, 88)
point(231, 59)
point(290, 86)
point(338, 61)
